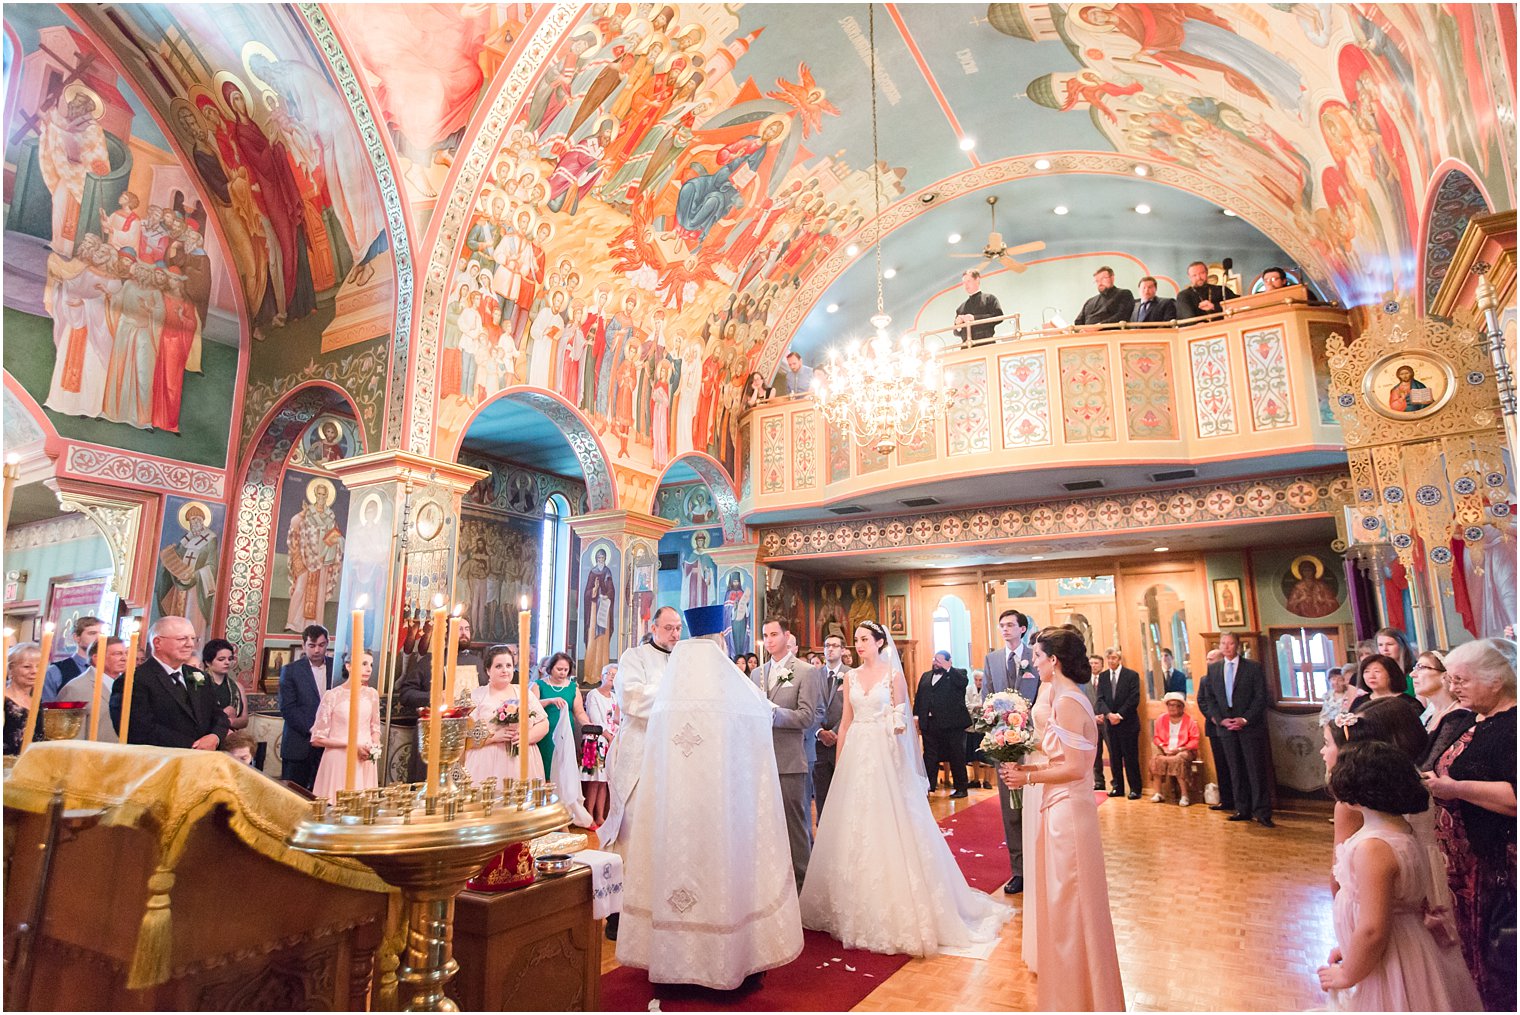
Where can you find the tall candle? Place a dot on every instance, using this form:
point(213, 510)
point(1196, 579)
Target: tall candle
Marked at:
point(42, 665)
point(524, 625)
point(355, 701)
point(126, 681)
point(435, 705)
point(100, 681)
point(451, 661)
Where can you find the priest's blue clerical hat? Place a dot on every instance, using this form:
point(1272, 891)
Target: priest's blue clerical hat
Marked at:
point(702, 620)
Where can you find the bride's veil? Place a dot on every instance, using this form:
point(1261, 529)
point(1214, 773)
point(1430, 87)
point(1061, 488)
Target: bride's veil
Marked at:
point(907, 741)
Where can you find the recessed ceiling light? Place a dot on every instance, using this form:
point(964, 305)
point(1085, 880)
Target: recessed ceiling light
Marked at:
point(832, 308)
point(955, 237)
point(1160, 549)
point(889, 273)
point(1042, 163)
point(1142, 209)
point(1228, 212)
point(1037, 557)
point(852, 250)
point(1061, 209)
point(1142, 170)
point(968, 143)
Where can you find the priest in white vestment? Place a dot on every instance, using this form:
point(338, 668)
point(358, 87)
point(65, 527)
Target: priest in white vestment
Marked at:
point(640, 670)
point(708, 892)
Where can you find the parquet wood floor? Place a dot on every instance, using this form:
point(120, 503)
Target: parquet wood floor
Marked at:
point(1250, 920)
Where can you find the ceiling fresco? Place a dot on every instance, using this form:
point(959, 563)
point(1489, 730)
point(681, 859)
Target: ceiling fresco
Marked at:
point(633, 206)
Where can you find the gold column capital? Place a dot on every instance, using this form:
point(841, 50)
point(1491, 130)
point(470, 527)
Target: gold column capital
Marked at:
point(619, 524)
point(396, 466)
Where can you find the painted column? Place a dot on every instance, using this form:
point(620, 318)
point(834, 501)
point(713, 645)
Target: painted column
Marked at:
point(619, 560)
point(738, 567)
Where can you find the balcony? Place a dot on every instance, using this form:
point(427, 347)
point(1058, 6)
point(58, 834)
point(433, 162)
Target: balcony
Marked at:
point(1073, 411)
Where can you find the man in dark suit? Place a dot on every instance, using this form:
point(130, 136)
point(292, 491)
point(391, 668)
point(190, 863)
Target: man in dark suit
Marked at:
point(1239, 703)
point(1174, 679)
point(1008, 669)
point(1119, 703)
point(940, 707)
point(172, 702)
point(1211, 730)
point(1111, 305)
point(1095, 667)
point(834, 671)
point(978, 306)
point(1201, 297)
point(302, 684)
point(1150, 308)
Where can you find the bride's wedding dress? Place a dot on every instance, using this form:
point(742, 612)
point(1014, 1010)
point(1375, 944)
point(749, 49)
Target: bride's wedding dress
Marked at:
point(881, 876)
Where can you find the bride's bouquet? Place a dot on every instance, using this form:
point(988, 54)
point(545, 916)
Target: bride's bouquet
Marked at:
point(1006, 727)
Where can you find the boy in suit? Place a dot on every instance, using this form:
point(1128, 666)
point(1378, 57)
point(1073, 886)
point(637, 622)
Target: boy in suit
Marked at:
point(302, 684)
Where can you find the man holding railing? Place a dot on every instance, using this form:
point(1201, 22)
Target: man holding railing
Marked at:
point(978, 306)
point(1201, 297)
point(1112, 305)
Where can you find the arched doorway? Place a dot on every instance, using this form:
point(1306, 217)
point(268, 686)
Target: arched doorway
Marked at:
point(286, 438)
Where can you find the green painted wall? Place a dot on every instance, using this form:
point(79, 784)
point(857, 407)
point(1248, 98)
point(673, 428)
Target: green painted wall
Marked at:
point(56, 560)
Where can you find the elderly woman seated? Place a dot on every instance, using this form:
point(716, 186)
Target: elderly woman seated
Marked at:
point(1176, 743)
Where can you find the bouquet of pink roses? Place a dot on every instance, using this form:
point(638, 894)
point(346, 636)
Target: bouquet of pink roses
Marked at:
point(1007, 730)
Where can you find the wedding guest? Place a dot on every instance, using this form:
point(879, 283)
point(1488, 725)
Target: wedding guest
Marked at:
point(494, 744)
point(1078, 959)
point(1119, 705)
point(981, 769)
point(559, 693)
point(1430, 686)
point(303, 682)
point(824, 759)
point(240, 745)
point(1337, 695)
point(755, 390)
point(1392, 643)
point(754, 663)
point(1238, 705)
point(1474, 786)
point(219, 655)
point(82, 688)
point(1382, 677)
point(1201, 297)
point(172, 704)
point(1176, 742)
point(86, 630)
point(602, 710)
point(742, 661)
point(1174, 679)
point(1386, 956)
point(815, 659)
point(1095, 663)
point(940, 708)
point(1366, 647)
point(415, 688)
point(329, 731)
point(1204, 695)
point(21, 675)
point(1010, 667)
point(794, 379)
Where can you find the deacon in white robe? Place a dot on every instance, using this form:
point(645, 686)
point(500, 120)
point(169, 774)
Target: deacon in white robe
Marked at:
point(708, 892)
point(640, 670)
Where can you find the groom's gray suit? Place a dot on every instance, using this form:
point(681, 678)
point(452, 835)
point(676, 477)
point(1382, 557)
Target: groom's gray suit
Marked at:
point(798, 700)
point(1020, 677)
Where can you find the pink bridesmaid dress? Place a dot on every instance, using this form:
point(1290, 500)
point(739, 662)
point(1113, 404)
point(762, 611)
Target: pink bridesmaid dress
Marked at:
point(332, 724)
point(1078, 961)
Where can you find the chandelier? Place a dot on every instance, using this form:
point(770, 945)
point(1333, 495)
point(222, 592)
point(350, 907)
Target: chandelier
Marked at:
point(880, 392)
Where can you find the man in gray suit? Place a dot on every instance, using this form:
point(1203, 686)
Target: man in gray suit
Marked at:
point(795, 689)
point(833, 711)
point(1008, 669)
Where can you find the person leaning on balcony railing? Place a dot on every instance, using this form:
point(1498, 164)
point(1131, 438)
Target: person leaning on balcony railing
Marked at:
point(1201, 297)
point(794, 379)
point(1112, 305)
point(1151, 308)
point(978, 306)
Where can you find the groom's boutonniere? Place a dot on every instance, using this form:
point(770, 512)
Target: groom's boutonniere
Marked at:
point(781, 679)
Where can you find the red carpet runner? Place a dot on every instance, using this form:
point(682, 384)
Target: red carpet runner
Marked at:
point(826, 976)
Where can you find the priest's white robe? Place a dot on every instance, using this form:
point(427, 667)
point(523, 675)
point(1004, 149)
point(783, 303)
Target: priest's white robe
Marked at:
point(638, 678)
point(708, 892)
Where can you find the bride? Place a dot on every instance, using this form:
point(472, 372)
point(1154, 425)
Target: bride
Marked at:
point(881, 876)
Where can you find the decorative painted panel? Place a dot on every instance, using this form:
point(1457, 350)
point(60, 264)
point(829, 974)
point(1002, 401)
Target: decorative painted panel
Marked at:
point(923, 448)
point(868, 459)
point(1087, 409)
point(1457, 200)
point(804, 450)
point(746, 464)
point(1213, 400)
point(839, 455)
point(1149, 409)
point(1267, 376)
point(966, 415)
point(1026, 400)
point(772, 455)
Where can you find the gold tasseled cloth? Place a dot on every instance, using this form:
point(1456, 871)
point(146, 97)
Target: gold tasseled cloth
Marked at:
point(169, 791)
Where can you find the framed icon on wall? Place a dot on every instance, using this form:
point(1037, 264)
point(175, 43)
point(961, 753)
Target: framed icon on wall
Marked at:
point(1229, 603)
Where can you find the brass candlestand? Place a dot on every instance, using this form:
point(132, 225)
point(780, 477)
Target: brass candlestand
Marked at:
point(428, 847)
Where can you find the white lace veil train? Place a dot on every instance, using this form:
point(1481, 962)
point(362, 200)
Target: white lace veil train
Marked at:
point(907, 741)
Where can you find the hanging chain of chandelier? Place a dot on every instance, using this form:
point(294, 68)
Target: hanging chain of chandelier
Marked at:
point(882, 393)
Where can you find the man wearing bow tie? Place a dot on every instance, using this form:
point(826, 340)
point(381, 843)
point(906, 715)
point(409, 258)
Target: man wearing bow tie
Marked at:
point(172, 704)
point(834, 671)
point(1008, 669)
point(796, 689)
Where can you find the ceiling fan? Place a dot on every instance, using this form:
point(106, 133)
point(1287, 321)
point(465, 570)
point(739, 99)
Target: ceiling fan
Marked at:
point(997, 250)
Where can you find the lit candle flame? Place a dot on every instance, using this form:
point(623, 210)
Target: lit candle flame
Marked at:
point(362, 602)
point(523, 603)
point(458, 609)
point(438, 601)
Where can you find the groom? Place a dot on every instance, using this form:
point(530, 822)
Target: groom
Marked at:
point(1008, 669)
point(795, 688)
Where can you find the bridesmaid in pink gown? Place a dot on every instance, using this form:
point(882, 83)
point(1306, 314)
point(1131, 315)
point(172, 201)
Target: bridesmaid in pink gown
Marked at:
point(330, 732)
point(1079, 962)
